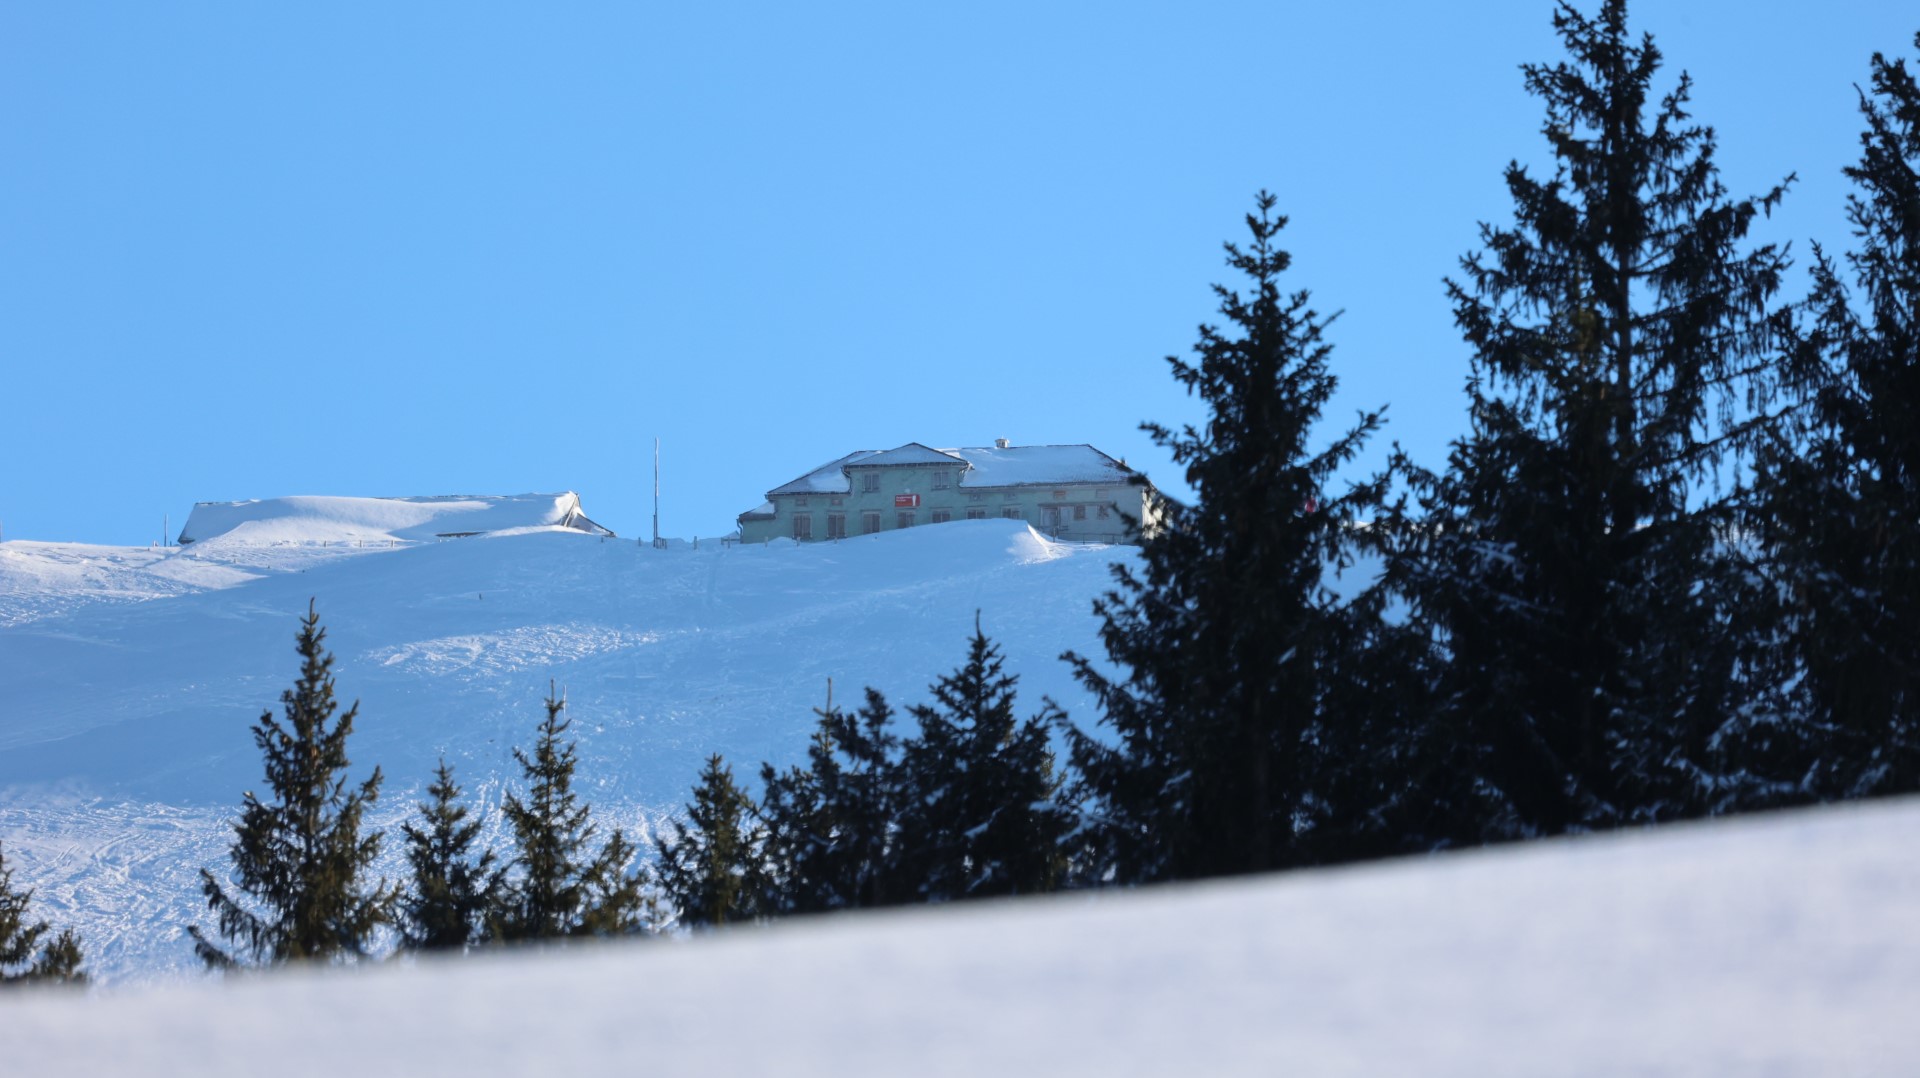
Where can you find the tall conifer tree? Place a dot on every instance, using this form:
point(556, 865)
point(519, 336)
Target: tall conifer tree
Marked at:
point(454, 896)
point(23, 957)
point(1223, 712)
point(301, 861)
point(562, 887)
point(1839, 505)
point(1574, 563)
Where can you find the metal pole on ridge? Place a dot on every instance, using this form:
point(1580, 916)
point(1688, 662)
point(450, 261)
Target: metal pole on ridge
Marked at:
point(656, 493)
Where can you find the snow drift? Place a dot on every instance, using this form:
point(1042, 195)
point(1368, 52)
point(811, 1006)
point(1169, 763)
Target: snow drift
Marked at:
point(308, 519)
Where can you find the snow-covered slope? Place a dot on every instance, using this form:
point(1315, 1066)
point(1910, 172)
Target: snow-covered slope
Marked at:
point(129, 677)
point(1781, 946)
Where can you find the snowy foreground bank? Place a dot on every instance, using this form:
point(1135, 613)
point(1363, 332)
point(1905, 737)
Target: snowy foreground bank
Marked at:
point(1781, 945)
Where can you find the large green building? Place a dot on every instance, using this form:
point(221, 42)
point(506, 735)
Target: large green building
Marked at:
point(1072, 492)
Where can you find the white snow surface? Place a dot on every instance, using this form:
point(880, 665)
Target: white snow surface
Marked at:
point(315, 518)
point(129, 678)
point(1779, 945)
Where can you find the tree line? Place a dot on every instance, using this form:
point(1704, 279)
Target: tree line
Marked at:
point(301, 885)
point(1670, 570)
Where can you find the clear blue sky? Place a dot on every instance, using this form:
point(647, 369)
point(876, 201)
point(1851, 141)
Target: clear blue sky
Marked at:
point(250, 250)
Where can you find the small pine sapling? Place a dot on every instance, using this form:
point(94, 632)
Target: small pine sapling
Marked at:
point(559, 887)
point(454, 897)
point(710, 866)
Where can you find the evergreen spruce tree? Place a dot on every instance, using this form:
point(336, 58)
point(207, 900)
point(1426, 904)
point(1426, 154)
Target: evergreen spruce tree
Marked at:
point(1224, 716)
point(561, 887)
point(710, 867)
point(301, 859)
point(454, 896)
point(831, 827)
point(1839, 495)
point(23, 957)
point(1574, 563)
point(980, 812)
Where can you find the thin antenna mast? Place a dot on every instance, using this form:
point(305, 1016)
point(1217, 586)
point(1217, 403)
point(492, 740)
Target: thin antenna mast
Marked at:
point(656, 493)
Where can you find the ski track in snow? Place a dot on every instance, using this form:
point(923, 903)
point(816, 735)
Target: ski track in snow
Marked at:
point(129, 677)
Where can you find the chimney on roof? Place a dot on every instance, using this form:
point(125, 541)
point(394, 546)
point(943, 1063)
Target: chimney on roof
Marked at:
point(1001, 443)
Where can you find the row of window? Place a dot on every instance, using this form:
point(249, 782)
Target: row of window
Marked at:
point(906, 518)
point(942, 480)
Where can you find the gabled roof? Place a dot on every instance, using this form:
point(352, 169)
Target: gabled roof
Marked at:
point(986, 466)
point(1039, 465)
point(829, 478)
point(911, 454)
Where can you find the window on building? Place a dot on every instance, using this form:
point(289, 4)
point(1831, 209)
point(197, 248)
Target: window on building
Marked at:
point(869, 482)
point(803, 525)
point(1009, 495)
point(869, 523)
point(1059, 495)
point(1012, 512)
point(942, 479)
point(1079, 512)
point(941, 516)
point(976, 514)
point(799, 503)
point(836, 525)
point(1101, 512)
point(905, 519)
point(976, 496)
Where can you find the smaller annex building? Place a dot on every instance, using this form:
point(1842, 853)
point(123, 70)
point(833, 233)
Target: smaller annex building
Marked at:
point(1072, 492)
point(314, 518)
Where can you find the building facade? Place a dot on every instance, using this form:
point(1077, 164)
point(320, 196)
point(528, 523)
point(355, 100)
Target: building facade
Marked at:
point(1071, 492)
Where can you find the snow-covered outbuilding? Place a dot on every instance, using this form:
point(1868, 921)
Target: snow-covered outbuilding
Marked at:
point(1067, 491)
point(334, 519)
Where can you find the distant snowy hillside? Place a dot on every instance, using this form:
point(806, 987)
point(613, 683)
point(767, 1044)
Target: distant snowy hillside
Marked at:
point(129, 676)
point(1782, 945)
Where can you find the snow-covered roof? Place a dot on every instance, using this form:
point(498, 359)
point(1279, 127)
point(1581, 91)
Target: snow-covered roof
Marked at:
point(1039, 465)
point(307, 518)
point(987, 466)
point(764, 509)
point(829, 478)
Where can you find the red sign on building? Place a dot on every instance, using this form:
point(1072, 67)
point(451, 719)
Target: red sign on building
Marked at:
point(906, 501)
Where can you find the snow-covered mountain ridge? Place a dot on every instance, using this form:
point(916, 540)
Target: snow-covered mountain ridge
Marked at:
point(129, 676)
